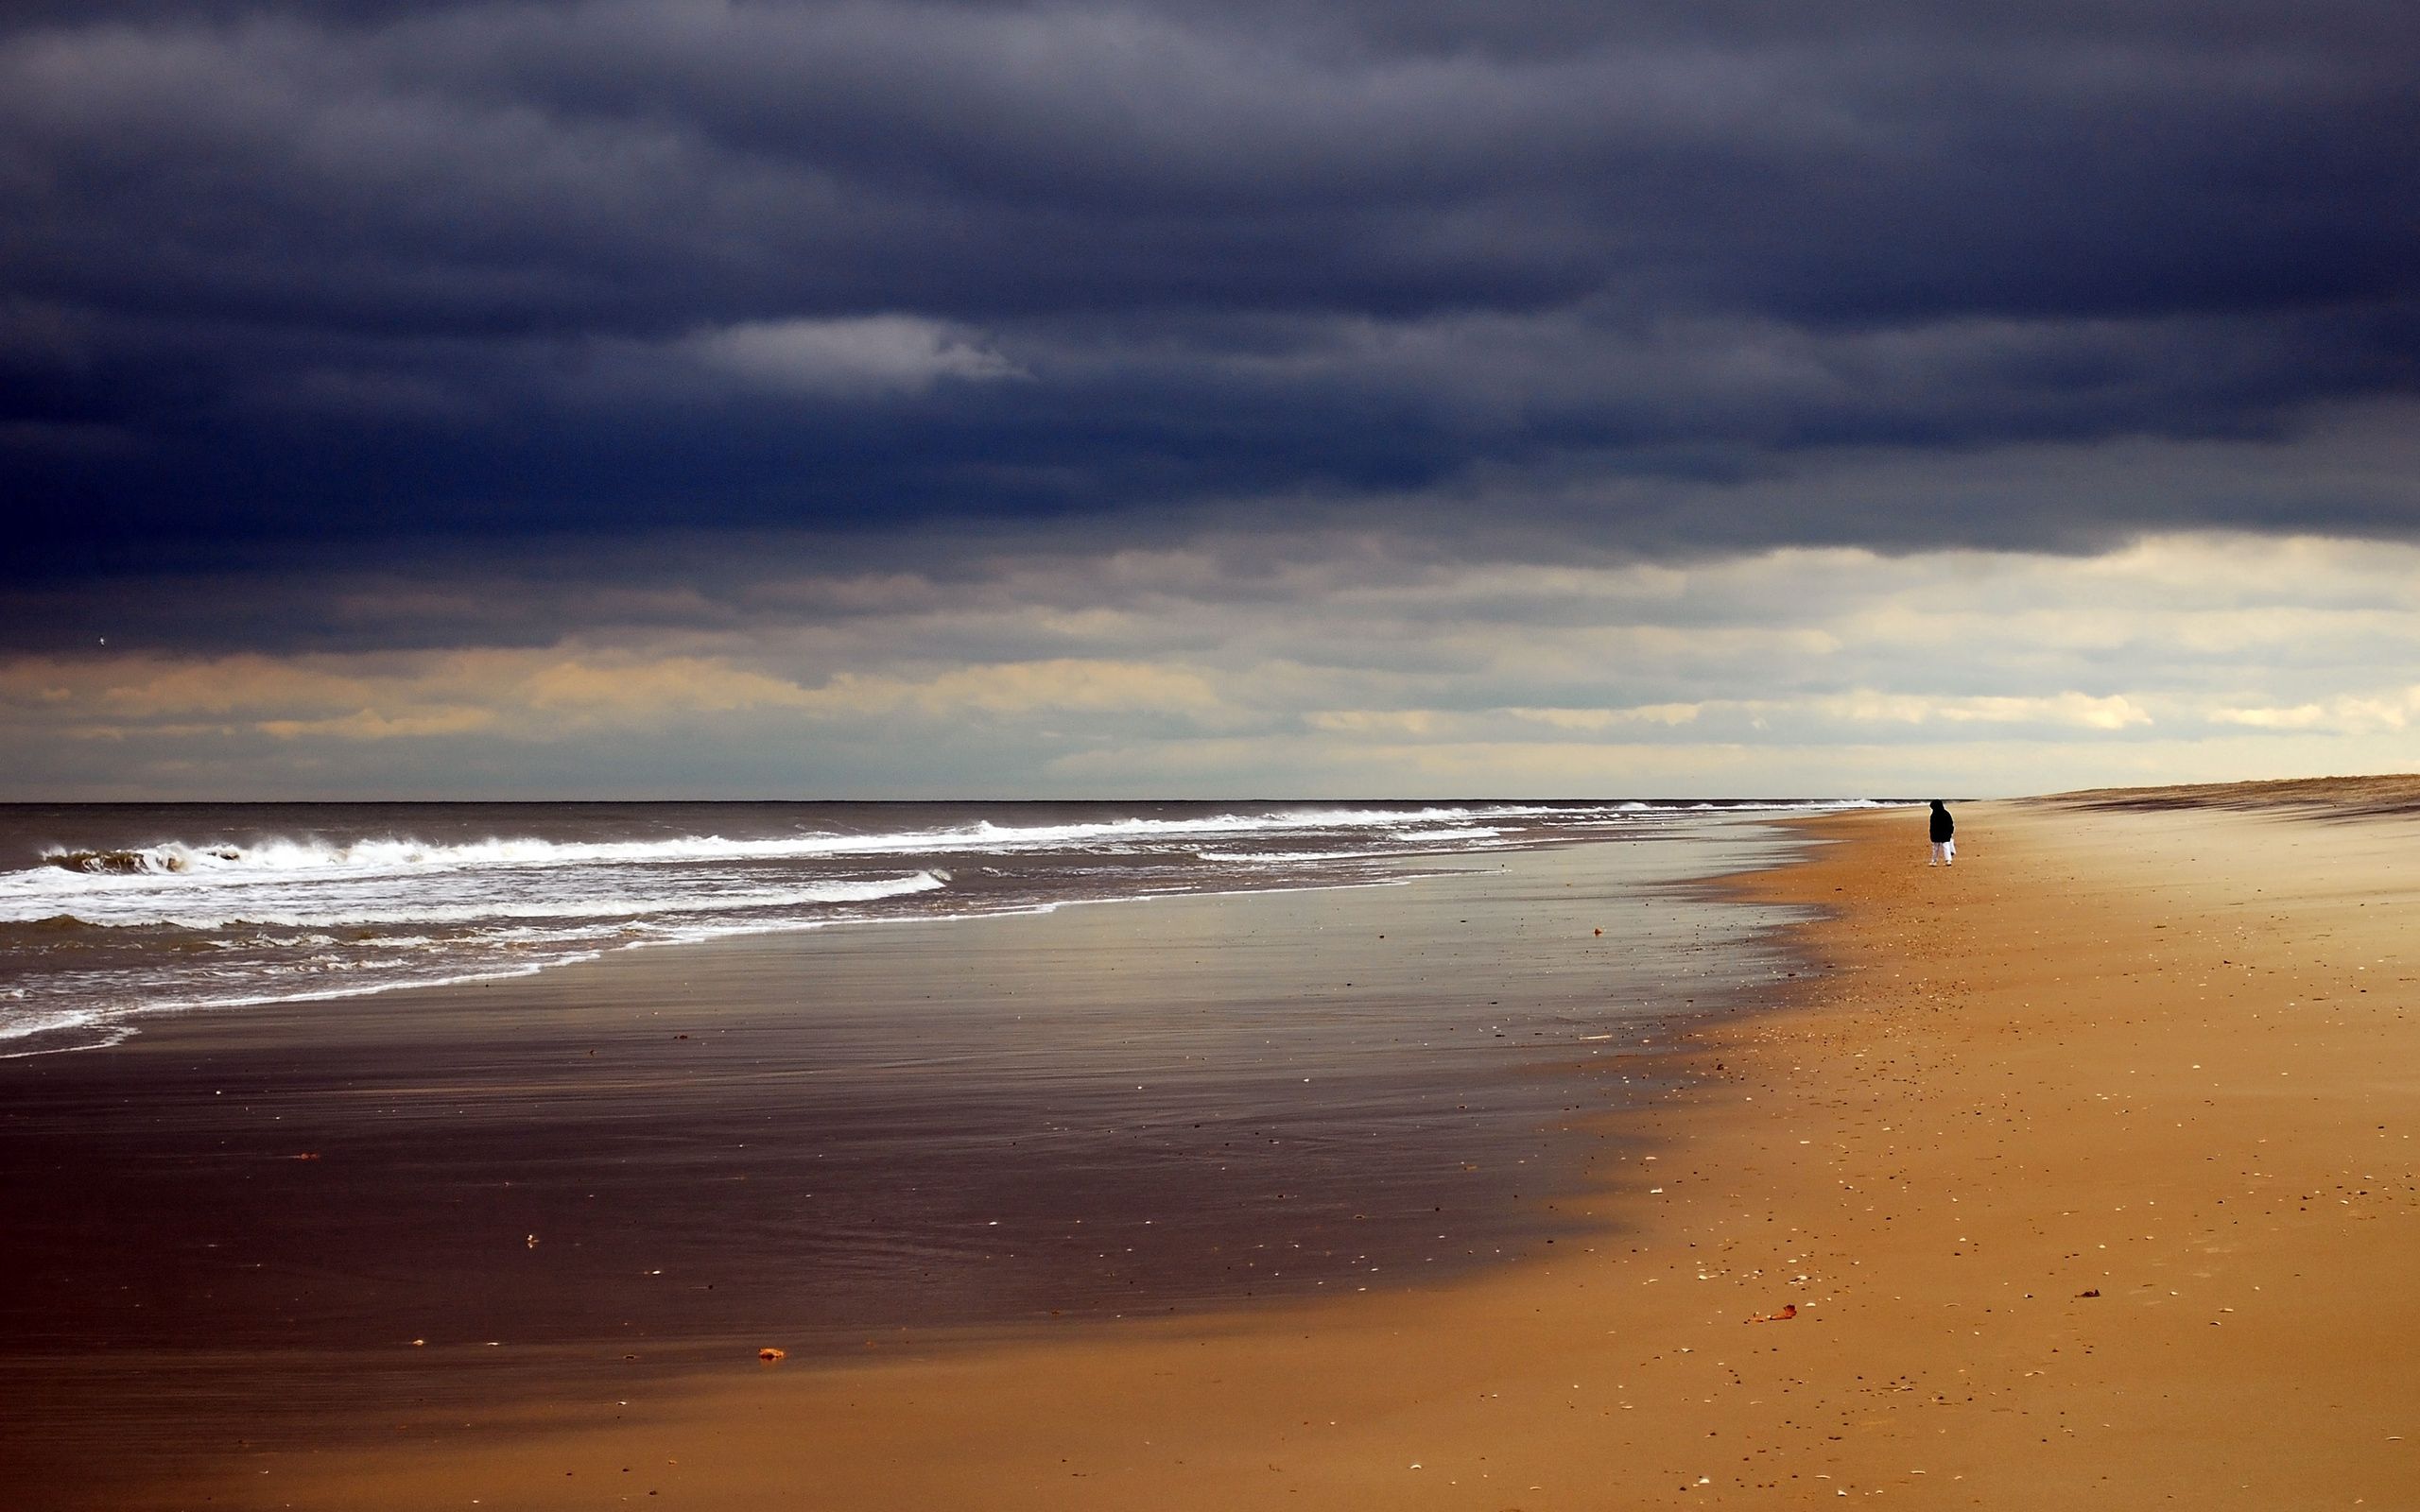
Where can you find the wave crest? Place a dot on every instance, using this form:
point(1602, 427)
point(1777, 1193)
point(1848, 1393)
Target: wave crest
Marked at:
point(395, 853)
point(171, 859)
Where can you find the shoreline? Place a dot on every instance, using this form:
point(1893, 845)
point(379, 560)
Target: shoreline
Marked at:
point(105, 1028)
point(312, 1190)
point(2082, 1177)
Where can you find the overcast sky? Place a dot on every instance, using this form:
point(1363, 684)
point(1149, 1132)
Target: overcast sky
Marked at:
point(684, 398)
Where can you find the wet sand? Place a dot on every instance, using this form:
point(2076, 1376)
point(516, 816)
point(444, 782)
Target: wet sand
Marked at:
point(226, 1235)
point(2084, 1178)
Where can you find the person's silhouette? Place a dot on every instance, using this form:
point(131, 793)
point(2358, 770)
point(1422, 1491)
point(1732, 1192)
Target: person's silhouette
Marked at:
point(1945, 837)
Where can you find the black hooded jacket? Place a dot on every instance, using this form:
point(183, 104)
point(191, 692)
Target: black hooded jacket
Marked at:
point(1943, 825)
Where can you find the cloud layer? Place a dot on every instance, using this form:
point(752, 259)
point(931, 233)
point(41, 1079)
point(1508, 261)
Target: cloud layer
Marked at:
point(284, 275)
point(1329, 665)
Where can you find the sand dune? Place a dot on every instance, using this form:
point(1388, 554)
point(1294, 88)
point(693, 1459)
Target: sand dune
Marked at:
point(2332, 795)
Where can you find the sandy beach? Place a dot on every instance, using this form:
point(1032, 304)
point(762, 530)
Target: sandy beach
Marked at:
point(1143, 756)
point(2082, 1175)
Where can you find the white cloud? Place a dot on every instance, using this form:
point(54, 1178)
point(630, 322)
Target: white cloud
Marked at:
point(2350, 716)
point(1866, 706)
point(1653, 714)
point(864, 353)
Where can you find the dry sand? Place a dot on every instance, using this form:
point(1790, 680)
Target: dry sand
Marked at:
point(2088, 1171)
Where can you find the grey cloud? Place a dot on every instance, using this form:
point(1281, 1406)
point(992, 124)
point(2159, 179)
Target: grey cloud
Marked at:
point(1462, 549)
point(288, 278)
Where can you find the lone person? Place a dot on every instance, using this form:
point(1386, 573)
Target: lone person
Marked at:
point(1945, 837)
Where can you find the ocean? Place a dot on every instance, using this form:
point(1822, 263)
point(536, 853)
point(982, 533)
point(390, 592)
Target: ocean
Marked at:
point(112, 914)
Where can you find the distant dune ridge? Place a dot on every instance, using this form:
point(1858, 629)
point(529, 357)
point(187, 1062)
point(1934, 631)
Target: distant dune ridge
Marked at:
point(2398, 793)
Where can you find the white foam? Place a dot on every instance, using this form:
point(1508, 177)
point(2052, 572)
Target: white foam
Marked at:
point(225, 859)
point(289, 904)
point(56, 1022)
point(606, 905)
point(1273, 856)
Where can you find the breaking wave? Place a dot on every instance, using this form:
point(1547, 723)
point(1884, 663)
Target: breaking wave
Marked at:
point(129, 918)
point(173, 858)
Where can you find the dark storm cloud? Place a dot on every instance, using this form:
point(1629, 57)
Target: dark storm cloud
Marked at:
point(295, 278)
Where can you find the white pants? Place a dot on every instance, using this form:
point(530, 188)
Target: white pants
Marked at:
point(1945, 853)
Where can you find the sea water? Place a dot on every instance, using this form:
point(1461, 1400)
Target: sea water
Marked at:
point(111, 913)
